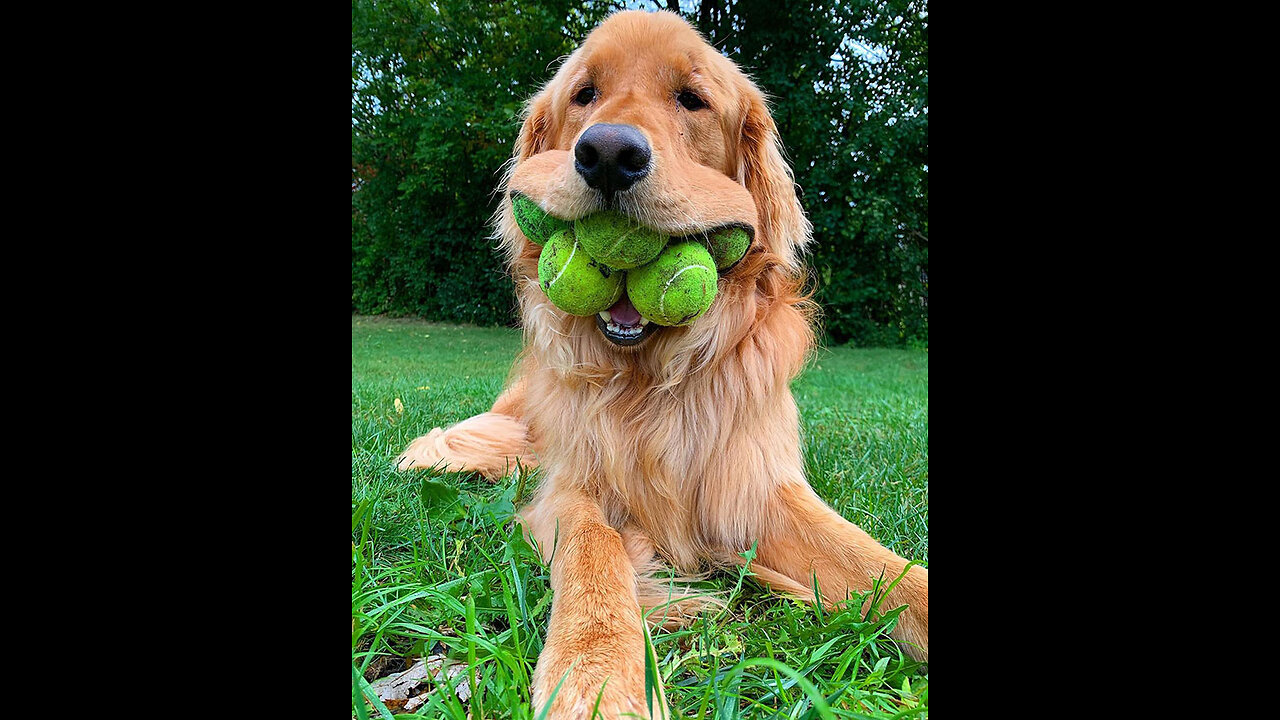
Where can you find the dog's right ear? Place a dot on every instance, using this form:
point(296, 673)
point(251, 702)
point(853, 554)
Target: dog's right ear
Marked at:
point(535, 138)
point(535, 134)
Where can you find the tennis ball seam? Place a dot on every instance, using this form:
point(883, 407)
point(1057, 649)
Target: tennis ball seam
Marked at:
point(580, 288)
point(620, 238)
point(662, 299)
point(568, 260)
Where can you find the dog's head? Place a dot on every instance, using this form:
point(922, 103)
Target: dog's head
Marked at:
point(647, 119)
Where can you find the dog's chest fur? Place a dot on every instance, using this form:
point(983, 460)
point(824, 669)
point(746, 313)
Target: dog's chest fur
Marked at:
point(691, 465)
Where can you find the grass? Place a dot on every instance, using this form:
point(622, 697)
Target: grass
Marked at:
point(438, 568)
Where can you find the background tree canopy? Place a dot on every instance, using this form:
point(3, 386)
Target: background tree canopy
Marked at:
point(436, 93)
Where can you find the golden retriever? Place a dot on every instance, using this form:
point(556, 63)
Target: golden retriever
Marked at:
point(661, 447)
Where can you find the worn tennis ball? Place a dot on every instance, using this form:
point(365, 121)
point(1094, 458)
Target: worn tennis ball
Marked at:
point(534, 223)
point(677, 287)
point(576, 282)
point(728, 246)
point(618, 241)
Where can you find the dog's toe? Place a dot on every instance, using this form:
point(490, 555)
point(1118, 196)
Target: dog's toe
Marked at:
point(423, 453)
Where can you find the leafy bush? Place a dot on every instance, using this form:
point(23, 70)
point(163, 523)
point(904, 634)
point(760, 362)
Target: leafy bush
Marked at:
point(436, 96)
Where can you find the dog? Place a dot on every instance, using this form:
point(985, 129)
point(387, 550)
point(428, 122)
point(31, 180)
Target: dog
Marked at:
point(661, 447)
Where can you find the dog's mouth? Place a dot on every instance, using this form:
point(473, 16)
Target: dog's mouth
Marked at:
point(686, 201)
point(623, 325)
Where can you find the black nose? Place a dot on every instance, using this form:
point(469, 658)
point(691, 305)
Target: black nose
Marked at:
point(612, 157)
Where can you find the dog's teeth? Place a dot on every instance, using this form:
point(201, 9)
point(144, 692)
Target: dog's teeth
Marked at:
point(607, 317)
point(643, 321)
point(617, 329)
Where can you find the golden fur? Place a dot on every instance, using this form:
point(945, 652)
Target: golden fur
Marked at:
point(685, 449)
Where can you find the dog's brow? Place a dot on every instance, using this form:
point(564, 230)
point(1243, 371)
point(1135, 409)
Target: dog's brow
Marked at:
point(703, 85)
point(580, 78)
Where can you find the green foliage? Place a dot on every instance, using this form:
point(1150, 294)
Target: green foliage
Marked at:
point(848, 82)
point(436, 96)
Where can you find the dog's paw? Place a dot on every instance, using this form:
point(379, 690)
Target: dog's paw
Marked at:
point(596, 682)
point(595, 656)
point(424, 453)
point(490, 444)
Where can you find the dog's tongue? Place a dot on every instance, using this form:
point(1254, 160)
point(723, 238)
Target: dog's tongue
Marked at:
point(624, 313)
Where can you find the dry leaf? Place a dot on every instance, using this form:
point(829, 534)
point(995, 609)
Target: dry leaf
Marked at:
point(411, 689)
point(402, 686)
point(399, 406)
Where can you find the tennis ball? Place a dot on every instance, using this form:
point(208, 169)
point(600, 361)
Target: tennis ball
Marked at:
point(728, 246)
point(534, 223)
point(617, 241)
point(576, 282)
point(677, 287)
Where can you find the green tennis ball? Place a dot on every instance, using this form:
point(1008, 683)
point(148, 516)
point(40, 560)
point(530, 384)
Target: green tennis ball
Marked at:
point(677, 287)
point(728, 245)
point(617, 241)
point(534, 223)
point(576, 282)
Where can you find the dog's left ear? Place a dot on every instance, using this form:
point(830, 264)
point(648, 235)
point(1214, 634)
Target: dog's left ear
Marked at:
point(763, 170)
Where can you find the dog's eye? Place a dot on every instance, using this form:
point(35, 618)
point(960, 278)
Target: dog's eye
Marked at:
point(585, 95)
point(690, 101)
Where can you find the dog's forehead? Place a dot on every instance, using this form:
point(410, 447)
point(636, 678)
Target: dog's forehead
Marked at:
point(646, 45)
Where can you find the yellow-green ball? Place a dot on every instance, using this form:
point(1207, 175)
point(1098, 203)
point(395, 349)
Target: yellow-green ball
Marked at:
point(728, 246)
point(534, 223)
point(577, 283)
point(617, 241)
point(677, 287)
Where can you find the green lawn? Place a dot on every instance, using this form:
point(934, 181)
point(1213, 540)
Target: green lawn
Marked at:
point(439, 568)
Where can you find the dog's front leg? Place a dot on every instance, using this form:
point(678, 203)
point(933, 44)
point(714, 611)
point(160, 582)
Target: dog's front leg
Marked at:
point(805, 539)
point(595, 642)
